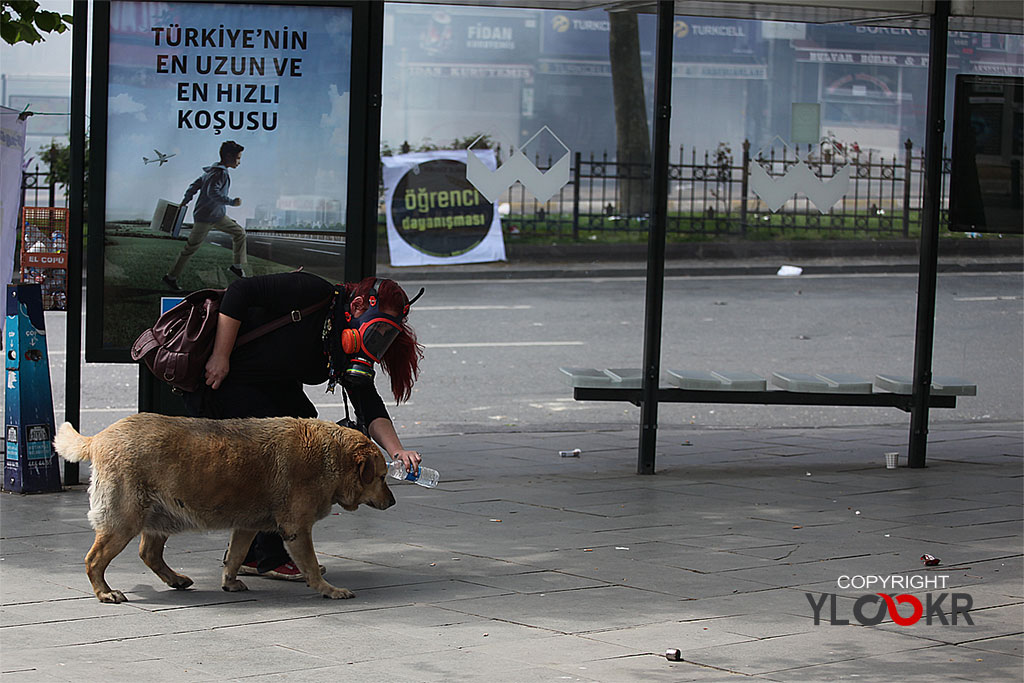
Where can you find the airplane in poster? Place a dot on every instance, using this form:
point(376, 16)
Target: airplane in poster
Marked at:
point(160, 160)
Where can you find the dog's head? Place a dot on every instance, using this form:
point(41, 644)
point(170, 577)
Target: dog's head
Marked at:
point(364, 473)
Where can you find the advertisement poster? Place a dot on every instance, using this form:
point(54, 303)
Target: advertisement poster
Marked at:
point(184, 78)
point(434, 215)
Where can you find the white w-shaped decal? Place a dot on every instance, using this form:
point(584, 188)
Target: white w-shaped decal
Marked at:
point(543, 185)
point(775, 193)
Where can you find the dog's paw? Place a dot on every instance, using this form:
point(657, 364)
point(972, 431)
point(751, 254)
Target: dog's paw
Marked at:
point(335, 593)
point(233, 586)
point(180, 583)
point(112, 597)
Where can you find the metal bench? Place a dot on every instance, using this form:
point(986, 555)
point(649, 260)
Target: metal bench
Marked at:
point(789, 388)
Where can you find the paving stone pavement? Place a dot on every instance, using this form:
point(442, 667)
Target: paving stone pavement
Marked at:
point(522, 566)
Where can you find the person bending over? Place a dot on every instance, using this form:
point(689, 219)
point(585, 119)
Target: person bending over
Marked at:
point(361, 324)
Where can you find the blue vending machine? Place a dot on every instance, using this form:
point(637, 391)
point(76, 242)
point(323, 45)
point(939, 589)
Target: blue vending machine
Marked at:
point(30, 463)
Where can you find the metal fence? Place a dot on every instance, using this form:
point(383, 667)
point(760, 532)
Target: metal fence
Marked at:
point(710, 197)
point(38, 187)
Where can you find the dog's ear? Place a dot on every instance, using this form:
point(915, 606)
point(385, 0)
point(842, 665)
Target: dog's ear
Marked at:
point(365, 465)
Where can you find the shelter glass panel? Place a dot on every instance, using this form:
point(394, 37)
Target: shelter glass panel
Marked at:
point(562, 129)
point(221, 134)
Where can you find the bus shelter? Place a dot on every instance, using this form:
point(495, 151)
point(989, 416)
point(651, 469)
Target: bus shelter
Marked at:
point(127, 52)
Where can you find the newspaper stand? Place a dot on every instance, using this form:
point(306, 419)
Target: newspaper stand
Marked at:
point(44, 253)
point(30, 463)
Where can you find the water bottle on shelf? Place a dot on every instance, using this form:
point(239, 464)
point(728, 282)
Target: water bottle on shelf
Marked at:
point(427, 477)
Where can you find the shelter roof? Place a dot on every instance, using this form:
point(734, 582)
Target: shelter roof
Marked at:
point(986, 16)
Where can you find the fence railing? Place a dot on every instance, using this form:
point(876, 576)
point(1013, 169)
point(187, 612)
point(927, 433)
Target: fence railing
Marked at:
point(38, 187)
point(710, 197)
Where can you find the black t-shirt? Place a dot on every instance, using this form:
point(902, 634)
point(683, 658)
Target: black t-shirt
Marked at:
point(295, 351)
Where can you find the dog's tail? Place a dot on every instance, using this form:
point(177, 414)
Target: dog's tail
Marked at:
point(70, 444)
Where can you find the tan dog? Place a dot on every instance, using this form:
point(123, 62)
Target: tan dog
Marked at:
point(159, 475)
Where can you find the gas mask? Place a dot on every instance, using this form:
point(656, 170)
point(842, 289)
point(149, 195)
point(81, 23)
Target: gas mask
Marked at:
point(366, 339)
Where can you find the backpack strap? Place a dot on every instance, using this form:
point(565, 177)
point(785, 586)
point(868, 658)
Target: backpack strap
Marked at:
point(293, 317)
point(144, 344)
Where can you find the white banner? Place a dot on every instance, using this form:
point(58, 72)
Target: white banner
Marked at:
point(434, 215)
point(12, 155)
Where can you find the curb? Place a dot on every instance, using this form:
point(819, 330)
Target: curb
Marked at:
point(724, 259)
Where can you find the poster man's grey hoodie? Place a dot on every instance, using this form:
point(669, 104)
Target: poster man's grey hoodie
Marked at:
point(213, 188)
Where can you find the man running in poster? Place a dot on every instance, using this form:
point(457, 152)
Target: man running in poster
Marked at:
point(211, 213)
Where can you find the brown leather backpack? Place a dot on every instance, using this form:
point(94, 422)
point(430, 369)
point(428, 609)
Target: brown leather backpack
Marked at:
point(178, 345)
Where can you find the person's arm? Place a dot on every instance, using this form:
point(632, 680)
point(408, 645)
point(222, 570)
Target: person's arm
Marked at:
point(219, 363)
point(382, 430)
point(371, 412)
point(192, 189)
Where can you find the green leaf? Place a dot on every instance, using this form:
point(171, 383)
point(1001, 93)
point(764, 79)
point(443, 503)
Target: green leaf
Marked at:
point(28, 34)
point(9, 32)
point(47, 21)
point(25, 8)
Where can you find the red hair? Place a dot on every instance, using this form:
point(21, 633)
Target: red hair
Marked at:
point(402, 359)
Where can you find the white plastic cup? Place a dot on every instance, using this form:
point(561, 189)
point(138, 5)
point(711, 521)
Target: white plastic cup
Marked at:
point(891, 460)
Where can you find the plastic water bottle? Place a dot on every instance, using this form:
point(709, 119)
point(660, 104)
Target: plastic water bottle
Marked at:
point(427, 477)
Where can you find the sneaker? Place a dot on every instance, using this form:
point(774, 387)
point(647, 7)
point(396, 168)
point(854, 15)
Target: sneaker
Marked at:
point(286, 572)
point(172, 283)
point(236, 271)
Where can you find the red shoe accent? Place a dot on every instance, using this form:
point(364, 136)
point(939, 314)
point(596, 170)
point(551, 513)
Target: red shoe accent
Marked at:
point(286, 572)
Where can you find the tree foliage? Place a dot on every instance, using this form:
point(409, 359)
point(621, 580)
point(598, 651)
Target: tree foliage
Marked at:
point(58, 156)
point(21, 21)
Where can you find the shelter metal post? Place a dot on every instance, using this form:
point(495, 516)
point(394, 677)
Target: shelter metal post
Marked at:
point(361, 225)
point(656, 239)
point(926, 281)
point(73, 330)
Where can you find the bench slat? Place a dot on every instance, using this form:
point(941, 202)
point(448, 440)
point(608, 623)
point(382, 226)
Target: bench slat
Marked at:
point(627, 378)
point(941, 386)
point(594, 378)
point(590, 378)
point(700, 380)
point(821, 383)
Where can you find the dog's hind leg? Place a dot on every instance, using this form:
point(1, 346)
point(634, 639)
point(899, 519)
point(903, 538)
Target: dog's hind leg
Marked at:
point(238, 548)
point(300, 547)
point(151, 550)
point(104, 549)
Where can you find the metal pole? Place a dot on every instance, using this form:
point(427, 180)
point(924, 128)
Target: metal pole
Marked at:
point(907, 173)
point(576, 198)
point(361, 229)
point(76, 210)
point(929, 233)
point(656, 240)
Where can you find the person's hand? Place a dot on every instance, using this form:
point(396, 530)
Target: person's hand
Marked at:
point(217, 368)
point(237, 202)
point(411, 460)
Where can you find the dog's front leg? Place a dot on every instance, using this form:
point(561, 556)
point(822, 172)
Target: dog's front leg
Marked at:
point(300, 546)
point(238, 548)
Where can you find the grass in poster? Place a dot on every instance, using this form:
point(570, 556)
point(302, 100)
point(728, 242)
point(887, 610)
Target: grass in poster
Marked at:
point(134, 267)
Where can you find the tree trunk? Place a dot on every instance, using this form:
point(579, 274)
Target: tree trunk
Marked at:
point(632, 136)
